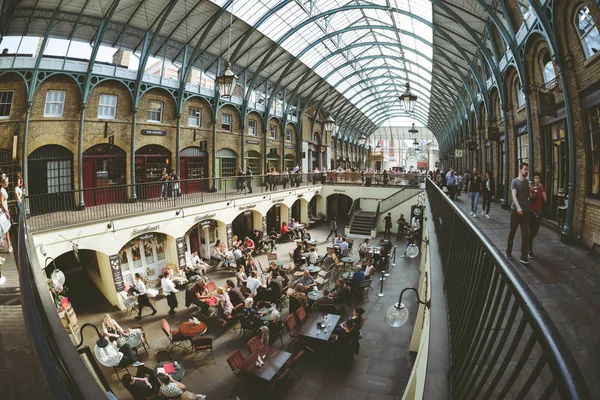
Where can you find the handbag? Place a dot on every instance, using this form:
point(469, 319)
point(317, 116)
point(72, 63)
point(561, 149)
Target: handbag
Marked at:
point(5, 223)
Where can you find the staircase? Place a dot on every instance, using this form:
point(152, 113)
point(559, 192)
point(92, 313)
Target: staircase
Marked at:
point(362, 223)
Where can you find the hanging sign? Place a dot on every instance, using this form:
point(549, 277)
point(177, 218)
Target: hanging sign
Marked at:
point(179, 242)
point(472, 146)
point(203, 145)
point(115, 267)
point(153, 132)
point(458, 153)
point(493, 133)
point(229, 229)
point(547, 104)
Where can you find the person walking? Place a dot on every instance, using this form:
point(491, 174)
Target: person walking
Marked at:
point(474, 191)
point(451, 184)
point(142, 296)
point(388, 225)
point(488, 191)
point(249, 179)
point(519, 211)
point(333, 228)
point(537, 194)
point(401, 226)
point(169, 290)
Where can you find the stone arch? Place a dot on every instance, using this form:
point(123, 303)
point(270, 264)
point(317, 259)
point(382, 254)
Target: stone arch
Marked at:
point(202, 235)
point(338, 205)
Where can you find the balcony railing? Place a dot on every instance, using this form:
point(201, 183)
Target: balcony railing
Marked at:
point(503, 343)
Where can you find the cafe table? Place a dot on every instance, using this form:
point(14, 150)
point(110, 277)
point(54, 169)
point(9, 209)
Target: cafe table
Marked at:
point(267, 314)
point(313, 269)
point(177, 375)
point(274, 360)
point(279, 263)
point(190, 329)
point(348, 275)
point(312, 242)
point(309, 327)
point(314, 295)
point(349, 260)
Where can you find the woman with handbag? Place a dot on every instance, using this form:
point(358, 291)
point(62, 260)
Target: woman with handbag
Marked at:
point(537, 196)
point(5, 221)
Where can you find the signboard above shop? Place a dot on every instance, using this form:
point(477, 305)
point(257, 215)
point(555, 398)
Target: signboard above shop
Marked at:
point(154, 132)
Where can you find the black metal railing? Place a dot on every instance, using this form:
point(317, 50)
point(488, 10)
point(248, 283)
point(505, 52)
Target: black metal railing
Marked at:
point(58, 361)
point(503, 343)
point(53, 210)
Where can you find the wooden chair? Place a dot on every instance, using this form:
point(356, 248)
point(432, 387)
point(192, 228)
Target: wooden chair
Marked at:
point(203, 345)
point(278, 383)
point(162, 356)
point(235, 361)
point(324, 278)
point(144, 343)
point(273, 336)
point(300, 314)
point(290, 324)
point(272, 257)
point(291, 363)
point(235, 317)
point(117, 369)
point(294, 305)
point(175, 338)
point(364, 288)
point(329, 309)
point(254, 344)
point(350, 244)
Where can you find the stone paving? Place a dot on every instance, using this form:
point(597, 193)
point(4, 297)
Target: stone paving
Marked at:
point(566, 280)
point(380, 371)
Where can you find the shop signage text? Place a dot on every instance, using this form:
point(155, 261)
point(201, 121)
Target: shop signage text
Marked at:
point(252, 141)
point(154, 132)
point(522, 130)
point(340, 190)
point(290, 146)
point(280, 200)
point(149, 228)
point(202, 217)
point(247, 207)
point(180, 243)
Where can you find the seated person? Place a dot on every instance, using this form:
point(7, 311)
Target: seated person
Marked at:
point(267, 242)
point(237, 253)
point(362, 248)
point(253, 283)
point(224, 306)
point(313, 256)
point(250, 318)
point(235, 294)
point(249, 243)
point(241, 276)
point(356, 318)
point(294, 227)
point(275, 326)
point(307, 281)
point(346, 341)
point(113, 330)
point(285, 232)
point(273, 267)
point(275, 286)
point(369, 270)
point(284, 277)
point(299, 295)
point(217, 251)
point(305, 235)
point(358, 277)
point(251, 266)
point(344, 246)
point(200, 297)
point(139, 388)
point(274, 235)
point(338, 240)
point(341, 293)
point(113, 356)
point(171, 389)
point(298, 256)
point(325, 300)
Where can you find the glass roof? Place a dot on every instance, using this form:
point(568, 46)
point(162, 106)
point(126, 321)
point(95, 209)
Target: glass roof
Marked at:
point(388, 46)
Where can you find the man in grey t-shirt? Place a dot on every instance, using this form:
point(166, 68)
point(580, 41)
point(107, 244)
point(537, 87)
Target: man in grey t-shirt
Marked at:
point(519, 213)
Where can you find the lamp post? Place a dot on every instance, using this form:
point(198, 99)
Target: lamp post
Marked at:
point(397, 314)
point(101, 342)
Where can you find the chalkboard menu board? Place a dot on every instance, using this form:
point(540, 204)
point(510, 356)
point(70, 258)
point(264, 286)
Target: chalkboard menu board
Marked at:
point(229, 236)
point(179, 242)
point(115, 267)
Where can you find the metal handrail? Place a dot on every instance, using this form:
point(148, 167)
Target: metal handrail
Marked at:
point(492, 313)
point(56, 358)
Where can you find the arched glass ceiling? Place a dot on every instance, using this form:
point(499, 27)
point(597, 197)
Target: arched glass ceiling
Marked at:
point(396, 50)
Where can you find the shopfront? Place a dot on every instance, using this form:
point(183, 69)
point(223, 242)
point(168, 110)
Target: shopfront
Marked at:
point(104, 166)
point(51, 172)
point(149, 163)
point(290, 162)
point(226, 167)
point(144, 254)
point(253, 159)
point(273, 160)
point(203, 236)
point(193, 165)
point(556, 174)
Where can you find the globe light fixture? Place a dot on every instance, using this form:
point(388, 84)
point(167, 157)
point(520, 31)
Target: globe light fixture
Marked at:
point(58, 277)
point(408, 99)
point(397, 314)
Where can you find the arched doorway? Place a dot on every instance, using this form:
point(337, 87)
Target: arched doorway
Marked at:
point(338, 205)
point(149, 163)
point(50, 172)
point(226, 167)
point(244, 224)
point(273, 160)
point(193, 164)
point(104, 165)
point(145, 254)
point(203, 236)
point(253, 159)
point(275, 217)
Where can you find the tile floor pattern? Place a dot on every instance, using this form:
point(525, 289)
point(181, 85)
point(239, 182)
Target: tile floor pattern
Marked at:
point(566, 279)
point(380, 371)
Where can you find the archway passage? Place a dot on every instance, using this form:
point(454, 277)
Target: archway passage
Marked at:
point(338, 205)
point(193, 165)
point(150, 161)
point(203, 236)
point(50, 172)
point(274, 218)
point(81, 271)
point(104, 166)
point(243, 225)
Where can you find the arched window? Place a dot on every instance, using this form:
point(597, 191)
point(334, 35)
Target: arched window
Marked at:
point(588, 32)
point(548, 69)
point(520, 93)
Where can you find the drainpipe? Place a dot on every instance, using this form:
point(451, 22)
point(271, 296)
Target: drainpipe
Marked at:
point(133, 198)
point(80, 157)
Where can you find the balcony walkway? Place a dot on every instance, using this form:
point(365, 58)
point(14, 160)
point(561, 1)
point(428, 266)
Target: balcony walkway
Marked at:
point(566, 280)
point(17, 362)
